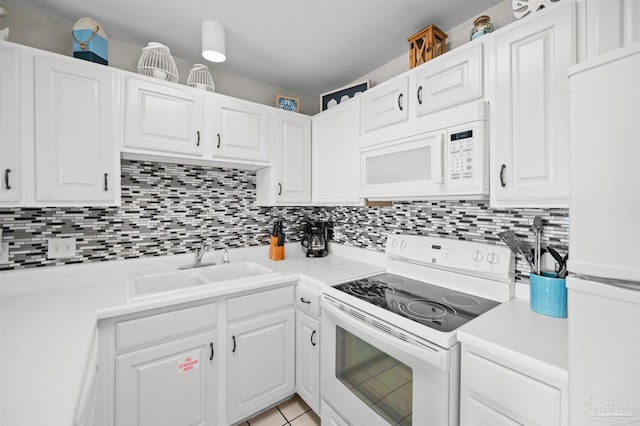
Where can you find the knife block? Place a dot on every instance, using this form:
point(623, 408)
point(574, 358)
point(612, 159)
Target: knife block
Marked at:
point(275, 252)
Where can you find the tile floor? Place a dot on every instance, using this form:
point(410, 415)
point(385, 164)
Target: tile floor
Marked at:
point(293, 412)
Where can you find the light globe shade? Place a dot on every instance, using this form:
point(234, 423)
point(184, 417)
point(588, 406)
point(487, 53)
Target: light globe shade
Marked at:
point(213, 41)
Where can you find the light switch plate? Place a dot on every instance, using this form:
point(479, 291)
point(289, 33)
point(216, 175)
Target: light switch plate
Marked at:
point(4, 254)
point(61, 248)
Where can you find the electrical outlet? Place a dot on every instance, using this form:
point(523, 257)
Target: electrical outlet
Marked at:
point(4, 254)
point(61, 248)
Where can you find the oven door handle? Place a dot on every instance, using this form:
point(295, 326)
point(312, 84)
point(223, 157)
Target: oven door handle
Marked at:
point(436, 357)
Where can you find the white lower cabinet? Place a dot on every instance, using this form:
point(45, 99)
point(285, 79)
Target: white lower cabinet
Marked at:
point(308, 345)
point(260, 351)
point(330, 417)
point(168, 385)
point(497, 392)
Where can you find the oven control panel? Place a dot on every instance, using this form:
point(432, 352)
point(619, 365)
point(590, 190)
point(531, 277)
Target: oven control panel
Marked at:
point(496, 262)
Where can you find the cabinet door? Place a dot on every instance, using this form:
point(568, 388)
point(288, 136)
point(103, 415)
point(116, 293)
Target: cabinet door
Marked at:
point(335, 134)
point(475, 413)
point(168, 385)
point(450, 80)
point(308, 360)
point(163, 118)
point(260, 363)
point(11, 141)
point(530, 143)
point(75, 138)
point(242, 129)
point(293, 158)
point(404, 168)
point(385, 104)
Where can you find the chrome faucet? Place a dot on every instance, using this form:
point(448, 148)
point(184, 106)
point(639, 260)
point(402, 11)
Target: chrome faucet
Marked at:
point(225, 256)
point(197, 259)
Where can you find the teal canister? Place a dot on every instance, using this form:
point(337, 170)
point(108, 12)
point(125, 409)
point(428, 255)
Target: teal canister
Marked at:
point(548, 295)
point(481, 26)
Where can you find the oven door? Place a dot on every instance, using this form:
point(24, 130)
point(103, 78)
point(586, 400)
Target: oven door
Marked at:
point(374, 374)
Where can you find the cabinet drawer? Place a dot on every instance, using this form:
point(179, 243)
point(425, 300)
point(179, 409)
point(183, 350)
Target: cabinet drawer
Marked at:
point(159, 328)
point(254, 304)
point(308, 299)
point(518, 396)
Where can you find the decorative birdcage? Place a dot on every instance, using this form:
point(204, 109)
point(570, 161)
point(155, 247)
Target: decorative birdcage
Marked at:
point(156, 61)
point(200, 77)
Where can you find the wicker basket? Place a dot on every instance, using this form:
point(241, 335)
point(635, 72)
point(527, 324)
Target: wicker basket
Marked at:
point(156, 61)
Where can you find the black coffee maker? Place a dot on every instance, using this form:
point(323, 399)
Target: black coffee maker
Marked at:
point(315, 238)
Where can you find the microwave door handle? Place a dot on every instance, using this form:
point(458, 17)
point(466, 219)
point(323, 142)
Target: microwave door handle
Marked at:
point(437, 159)
point(433, 356)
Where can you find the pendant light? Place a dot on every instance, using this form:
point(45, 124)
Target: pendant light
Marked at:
point(213, 41)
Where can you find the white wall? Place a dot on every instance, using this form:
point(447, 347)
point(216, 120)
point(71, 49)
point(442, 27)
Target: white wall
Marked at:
point(36, 30)
point(501, 15)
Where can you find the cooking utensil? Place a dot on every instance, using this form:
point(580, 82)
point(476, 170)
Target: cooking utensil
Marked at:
point(537, 230)
point(518, 246)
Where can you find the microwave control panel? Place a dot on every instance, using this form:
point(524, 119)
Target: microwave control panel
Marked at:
point(466, 159)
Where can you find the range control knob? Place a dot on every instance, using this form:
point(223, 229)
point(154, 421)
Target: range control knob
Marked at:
point(403, 244)
point(394, 242)
point(478, 256)
point(493, 258)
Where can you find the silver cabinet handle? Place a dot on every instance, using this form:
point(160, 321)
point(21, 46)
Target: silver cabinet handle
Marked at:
point(106, 182)
point(502, 183)
point(212, 351)
point(6, 179)
point(308, 302)
point(420, 95)
point(313, 334)
point(198, 142)
point(400, 101)
point(218, 140)
point(279, 188)
point(234, 344)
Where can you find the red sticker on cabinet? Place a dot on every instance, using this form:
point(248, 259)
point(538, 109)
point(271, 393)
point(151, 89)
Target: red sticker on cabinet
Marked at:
point(188, 364)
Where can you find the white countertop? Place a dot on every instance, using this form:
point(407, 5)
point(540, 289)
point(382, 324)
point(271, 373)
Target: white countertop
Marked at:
point(49, 317)
point(514, 332)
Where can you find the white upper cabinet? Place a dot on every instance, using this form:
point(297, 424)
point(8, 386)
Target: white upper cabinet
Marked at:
point(160, 116)
point(288, 179)
point(11, 121)
point(76, 160)
point(530, 116)
point(335, 172)
point(242, 130)
point(385, 104)
point(451, 79)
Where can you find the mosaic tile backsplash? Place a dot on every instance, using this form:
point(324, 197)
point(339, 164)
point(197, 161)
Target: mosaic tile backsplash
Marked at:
point(169, 209)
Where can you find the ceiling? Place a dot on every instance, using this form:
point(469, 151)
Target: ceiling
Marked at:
point(306, 46)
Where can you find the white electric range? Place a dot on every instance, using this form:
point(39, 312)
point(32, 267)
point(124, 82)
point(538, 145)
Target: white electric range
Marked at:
point(389, 347)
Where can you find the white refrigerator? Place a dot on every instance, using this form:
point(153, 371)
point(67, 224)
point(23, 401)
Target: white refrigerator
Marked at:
point(604, 240)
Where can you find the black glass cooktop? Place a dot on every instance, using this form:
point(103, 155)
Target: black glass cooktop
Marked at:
point(436, 307)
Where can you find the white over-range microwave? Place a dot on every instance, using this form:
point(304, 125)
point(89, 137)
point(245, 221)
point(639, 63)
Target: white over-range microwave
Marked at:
point(450, 162)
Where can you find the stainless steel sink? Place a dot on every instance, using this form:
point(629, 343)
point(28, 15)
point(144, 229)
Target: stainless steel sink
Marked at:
point(143, 286)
